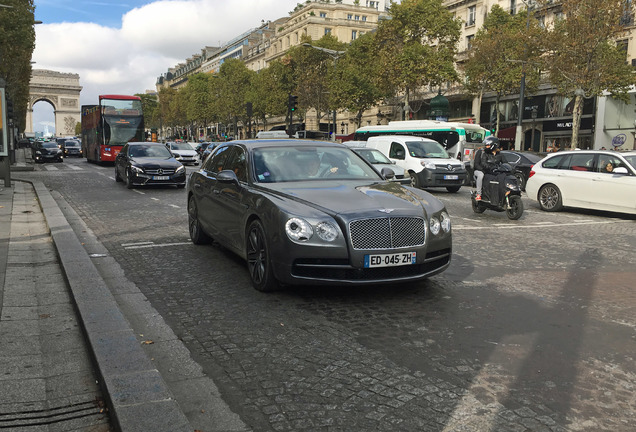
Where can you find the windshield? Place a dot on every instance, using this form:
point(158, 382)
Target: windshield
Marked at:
point(180, 146)
point(304, 163)
point(71, 144)
point(119, 131)
point(151, 151)
point(426, 149)
point(373, 156)
point(50, 144)
point(631, 159)
point(121, 107)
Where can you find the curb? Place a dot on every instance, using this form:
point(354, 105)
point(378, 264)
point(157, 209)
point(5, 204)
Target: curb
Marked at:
point(138, 397)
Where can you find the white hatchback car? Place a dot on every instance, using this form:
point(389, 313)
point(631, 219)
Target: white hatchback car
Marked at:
point(183, 152)
point(591, 179)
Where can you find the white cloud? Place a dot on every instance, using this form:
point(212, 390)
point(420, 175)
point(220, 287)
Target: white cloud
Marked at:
point(152, 39)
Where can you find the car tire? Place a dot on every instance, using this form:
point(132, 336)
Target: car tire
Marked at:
point(549, 198)
point(516, 207)
point(117, 177)
point(259, 263)
point(197, 235)
point(415, 180)
point(453, 189)
point(129, 183)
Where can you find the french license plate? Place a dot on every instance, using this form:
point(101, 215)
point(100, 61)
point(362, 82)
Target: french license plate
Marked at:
point(389, 260)
point(161, 178)
point(451, 177)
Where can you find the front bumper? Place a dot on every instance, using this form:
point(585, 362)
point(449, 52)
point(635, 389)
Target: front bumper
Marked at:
point(441, 178)
point(141, 179)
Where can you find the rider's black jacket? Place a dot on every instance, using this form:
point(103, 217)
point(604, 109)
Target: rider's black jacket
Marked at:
point(489, 162)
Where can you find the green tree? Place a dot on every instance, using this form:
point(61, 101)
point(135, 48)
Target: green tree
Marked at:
point(17, 41)
point(270, 89)
point(583, 58)
point(200, 109)
point(417, 46)
point(150, 109)
point(502, 49)
point(234, 81)
point(355, 86)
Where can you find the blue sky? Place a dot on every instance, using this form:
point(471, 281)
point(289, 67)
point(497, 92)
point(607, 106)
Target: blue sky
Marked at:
point(107, 13)
point(123, 46)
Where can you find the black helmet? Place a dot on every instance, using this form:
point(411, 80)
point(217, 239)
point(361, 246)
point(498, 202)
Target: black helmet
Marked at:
point(491, 141)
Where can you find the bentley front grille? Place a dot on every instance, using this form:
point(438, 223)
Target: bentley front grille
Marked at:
point(387, 233)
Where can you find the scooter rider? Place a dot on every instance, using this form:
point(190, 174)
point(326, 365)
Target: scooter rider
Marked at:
point(486, 161)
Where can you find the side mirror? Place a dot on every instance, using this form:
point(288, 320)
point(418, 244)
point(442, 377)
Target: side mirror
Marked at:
point(620, 170)
point(387, 173)
point(227, 176)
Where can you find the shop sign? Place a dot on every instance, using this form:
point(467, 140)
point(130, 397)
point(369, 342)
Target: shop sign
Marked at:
point(566, 125)
point(619, 140)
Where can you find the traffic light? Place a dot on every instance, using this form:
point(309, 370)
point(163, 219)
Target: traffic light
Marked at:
point(292, 103)
point(9, 109)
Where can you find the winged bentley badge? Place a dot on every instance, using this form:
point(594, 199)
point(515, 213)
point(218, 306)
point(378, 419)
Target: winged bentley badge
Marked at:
point(386, 210)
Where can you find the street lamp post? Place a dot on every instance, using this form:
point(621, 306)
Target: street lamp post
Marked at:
point(534, 118)
point(335, 55)
point(522, 89)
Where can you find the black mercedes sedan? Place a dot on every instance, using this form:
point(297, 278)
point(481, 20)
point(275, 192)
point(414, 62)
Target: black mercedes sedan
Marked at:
point(46, 151)
point(312, 212)
point(148, 163)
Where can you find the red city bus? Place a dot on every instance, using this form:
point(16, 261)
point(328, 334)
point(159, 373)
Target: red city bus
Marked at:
point(107, 127)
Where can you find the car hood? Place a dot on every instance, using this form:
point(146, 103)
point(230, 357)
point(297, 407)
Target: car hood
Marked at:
point(185, 152)
point(153, 163)
point(350, 197)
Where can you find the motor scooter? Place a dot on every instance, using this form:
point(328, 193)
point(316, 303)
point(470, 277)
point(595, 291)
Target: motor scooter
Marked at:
point(500, 192)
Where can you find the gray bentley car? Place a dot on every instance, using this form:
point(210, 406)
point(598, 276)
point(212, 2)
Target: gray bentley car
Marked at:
point(312, 212)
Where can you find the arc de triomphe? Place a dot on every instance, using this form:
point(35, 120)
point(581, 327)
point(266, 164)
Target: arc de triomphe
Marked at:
point(62, 91)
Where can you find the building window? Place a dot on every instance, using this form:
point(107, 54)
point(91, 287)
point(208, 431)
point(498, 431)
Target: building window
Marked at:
point(323, 14)
point(357, 17)
point(354, 34)
point(513, 7)
point(469, 41)
point(327, 31)
point(470, 21)
point(364, 18)
point(349, 16)
point(622, 45)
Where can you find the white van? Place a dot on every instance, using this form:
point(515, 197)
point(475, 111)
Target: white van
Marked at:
point(426, 160)
point(275, 134)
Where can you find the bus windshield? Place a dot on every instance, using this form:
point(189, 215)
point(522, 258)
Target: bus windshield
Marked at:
point(118, 131)
point(121, 106)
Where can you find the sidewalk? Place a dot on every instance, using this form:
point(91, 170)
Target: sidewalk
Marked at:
point(74, 332)
point(47, 380)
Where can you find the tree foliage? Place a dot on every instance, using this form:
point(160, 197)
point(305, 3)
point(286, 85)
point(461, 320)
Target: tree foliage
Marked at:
point(417, 46)
point(17, 42)
point(583, 57)
point(150, 108)
point(505, 47)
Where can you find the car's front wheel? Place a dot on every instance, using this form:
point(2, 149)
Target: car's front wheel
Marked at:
point(415, 180)
point(258, 258)
point(129, 183)
point(117, 177)
point(197, 235)
point(550, 198)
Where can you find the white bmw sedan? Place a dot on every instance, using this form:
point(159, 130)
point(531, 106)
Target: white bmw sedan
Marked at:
point(591, 179)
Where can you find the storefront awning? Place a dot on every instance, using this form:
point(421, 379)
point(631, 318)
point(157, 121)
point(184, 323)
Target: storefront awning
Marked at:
point(507, 134)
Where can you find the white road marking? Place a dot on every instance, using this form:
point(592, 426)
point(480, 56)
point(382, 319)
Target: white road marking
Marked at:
point(539, 225)
point(75, 167)
point(158, 245)
point(139, 192)
point(155, 199)
point(50, 168)
point(137, 244)
point(173, 205)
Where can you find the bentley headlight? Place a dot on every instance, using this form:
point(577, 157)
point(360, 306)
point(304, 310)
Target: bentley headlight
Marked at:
point(435, 225)
point(445, 222)
point(327, 231)
point(298, 229)
point(181, 168)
